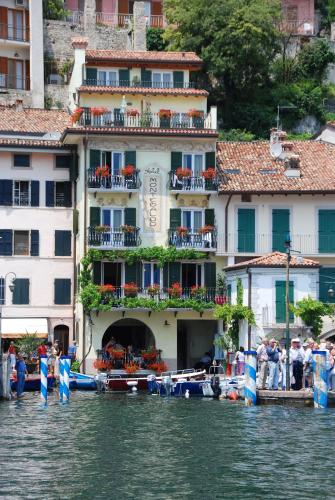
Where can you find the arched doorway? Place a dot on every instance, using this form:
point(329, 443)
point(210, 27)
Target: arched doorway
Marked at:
point(61, 333)
point(130, 332)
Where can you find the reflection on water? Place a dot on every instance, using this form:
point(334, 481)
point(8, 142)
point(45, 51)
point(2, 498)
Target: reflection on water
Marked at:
point(144, 447)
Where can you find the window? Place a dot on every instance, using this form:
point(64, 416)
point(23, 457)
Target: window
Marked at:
point(192, 219)
point(15, 25)
point(246, 230)
point(162, 80)
point(62, 291)
point(21, 160)
point(2, 291)
point(281, 301)
point(194, 162)
point(63, 161)
point(151, 274)
point(21, 292)
point(108, 78)
point(191, 275)
point(112, 217)
point(114, 160)
point(22, 193)
point(62, 243)
point(21, 243)
point(58, 194)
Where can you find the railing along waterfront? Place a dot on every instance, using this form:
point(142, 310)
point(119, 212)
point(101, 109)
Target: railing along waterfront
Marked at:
point(112, 182)
point(117, 118)
point(192, 184)
point(14, 33)
point(107, 237)
point(260, 243)
point(193, 239)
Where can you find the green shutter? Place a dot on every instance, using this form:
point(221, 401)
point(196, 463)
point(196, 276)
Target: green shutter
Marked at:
point(96, 272)
point(210, 279)
point(146, 78)
point(130, 158)
point(174, 273)
point(229, 293)
point(133, 273)
point(326, 231)
point(91, 76)
point(124, 78)
point(176, 160)
point(326, 281)
point(21, 291)
point(62, 243)
point(209, 217)
point(178, 79)
point(94, 216)
point(74, 167)
point(280, 228)
point(281, 301)
point(34, 243)
point(246, 230)
point(94, 158)
point(175, 218)
point(210, 160)
point(62, 291)
point(130, 216)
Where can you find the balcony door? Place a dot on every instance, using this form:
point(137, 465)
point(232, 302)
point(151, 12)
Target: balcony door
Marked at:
point(15, 74)
point(194, 162)
point(112, 273)
point(192, 220)
point(190, 275)
point(114, 160)
point(113, 218)
point(15, 25)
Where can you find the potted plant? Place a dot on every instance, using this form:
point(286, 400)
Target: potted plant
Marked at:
point(149, 354)
point(131, 368)
point(101, 229)
point(132, 112)
point(194, 113)
point(101, 365)
point(182, 172)
point(158, 367)
point(175, 291)
point(128, 170)
point(98, 111)
point(165, 118)
point(106, 289)
point(198, 292)
point(117, 353)
point(206, 229)
point(76, 114)
point(102, 171)
point(128, 229)
point(209, 174)
point(153, 290)
point(130, 289)
point(182, 231)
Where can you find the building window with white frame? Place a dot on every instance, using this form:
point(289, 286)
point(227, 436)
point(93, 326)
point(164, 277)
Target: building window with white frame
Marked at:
point(195, 162)
point(151, 274)
point(108, 77)
point(162, 79)
point(193, 219)
point(21, 193)
point(114, 160)
point(21, 243)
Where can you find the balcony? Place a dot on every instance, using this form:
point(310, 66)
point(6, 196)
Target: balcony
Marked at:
point(302, 27)
point(106, 238)
point(112, 183)
point(204, 240)
point(139, 84)
point(14, 82)
point(125, 20)
point(14, 33)
point(117, 118)
point(74, 17)
point(192, 184)
point(259, 244)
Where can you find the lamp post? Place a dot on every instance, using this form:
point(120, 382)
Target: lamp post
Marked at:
point(11, 288)
point(287, 305)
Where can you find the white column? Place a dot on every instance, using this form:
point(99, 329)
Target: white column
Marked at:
point(36, 53)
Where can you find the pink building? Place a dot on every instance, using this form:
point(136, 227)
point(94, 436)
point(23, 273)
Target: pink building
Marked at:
point(299, 16)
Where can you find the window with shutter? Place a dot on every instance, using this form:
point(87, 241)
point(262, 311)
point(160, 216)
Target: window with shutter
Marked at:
point(210, 160)
point(97, 273)
point(281, 301)
point(280, 228)
point(50, 193)
point(133, 273)
point(95, 216)
point(124, 78)
point(6, 242)
point(62, 291)
point(246, 230)
point(21, 160)
point(146, 78)
point(174, 273)
point(35, 193)
point(34, 243)
point(178, 79)
point(326, 231)
point(95, 158)
point(130, 158)
point(209, 217)
point(6, 192)
point(62, 243)
point(91, 76)
point(176, 160)
point(21, 292)
point(21, 243)
point(175, 218)
point(326, 281)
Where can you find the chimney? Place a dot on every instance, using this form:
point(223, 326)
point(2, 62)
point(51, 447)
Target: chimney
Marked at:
point(19, 105)
point(292, 166)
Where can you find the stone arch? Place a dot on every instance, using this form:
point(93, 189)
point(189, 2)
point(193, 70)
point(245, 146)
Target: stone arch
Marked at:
point(128, 331)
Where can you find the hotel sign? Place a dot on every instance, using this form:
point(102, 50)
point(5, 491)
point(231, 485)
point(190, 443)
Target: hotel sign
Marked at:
point(152, 189)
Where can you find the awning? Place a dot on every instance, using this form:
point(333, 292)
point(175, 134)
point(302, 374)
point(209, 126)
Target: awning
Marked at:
point(16, 328)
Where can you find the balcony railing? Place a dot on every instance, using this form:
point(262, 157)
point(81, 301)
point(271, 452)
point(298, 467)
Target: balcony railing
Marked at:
point(74, 16)
point(192, 184)
point(113, 182)
point(108, 237)
point(15, 33)
point(297, 27)
point(156, 22)
point(14, 82)
point(145, 120)
point(193, 239)
point(259, 244)
point(93, 82)
point(124, 20)
point(206, 294)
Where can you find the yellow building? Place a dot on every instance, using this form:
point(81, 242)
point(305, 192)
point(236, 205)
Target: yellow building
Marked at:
point(146, 196)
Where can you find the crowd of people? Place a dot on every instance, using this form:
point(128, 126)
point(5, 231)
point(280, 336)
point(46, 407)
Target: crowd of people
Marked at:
point(272, 364)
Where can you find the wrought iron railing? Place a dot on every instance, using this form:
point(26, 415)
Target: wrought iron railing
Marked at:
point(107, 237)
point(117, 118)
point(193, 239)
point(110, 19)
point(14, 82)
point(192, 184)
point(15, 33)
point(113, 182)
point(105, 82)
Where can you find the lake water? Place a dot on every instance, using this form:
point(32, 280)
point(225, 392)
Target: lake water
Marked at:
point(146, 447)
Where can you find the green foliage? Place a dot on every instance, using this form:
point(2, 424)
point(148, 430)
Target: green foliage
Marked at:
point(75, 366)
point(312, 61)
point(311, 312)
point(239, 292)
point(155, 39)
point(299, 137)
point(54, 9)
point(236, 135)
point(48, 102)
point(27, 345)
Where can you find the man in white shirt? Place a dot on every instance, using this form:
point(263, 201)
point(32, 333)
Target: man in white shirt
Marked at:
point(297, 357)
point(308, 362)
point(262, 357)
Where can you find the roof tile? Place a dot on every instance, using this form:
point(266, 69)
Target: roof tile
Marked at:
point(29, 120)
point(143, 56)
point(275, 259)
point(141, 90)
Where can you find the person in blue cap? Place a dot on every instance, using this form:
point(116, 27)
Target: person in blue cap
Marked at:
point(21, 371)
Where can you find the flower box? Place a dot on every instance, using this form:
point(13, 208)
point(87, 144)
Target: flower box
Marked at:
point(158, 367)
point(130, 289)
point(102, 171)
point(198, 292)
point(98, 111)
point(128, 170)
point(101, 365)
point(182, 231)
point(195, 113)
point(175, 290)
point(209, 174)
point(128, 229)
point(106, 289)
point(149, 354)
point(183, 172)
point(131, 368)
point(132, 112)
point(101, 229)
point(206, 229)
point(165, 113)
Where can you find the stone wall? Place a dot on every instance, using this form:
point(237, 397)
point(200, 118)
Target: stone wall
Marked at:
point(9, 97)
point(59, 95)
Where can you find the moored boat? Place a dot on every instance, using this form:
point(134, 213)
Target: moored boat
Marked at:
point(80, 381)
point(33, 382)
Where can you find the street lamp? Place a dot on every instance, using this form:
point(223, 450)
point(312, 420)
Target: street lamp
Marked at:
point(11, 287)
point(287, 310)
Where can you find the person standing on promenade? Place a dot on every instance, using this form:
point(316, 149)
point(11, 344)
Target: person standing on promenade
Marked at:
point(21, 371)
point(273, 364)
point(262, 357)
point(12, 354)
point(240, 358)
point(308, 362)
point(297, 356)
point(72, 351)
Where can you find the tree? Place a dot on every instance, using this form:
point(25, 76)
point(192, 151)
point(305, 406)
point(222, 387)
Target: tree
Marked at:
point(155, 40)
point(54, 9)
point(311, 312)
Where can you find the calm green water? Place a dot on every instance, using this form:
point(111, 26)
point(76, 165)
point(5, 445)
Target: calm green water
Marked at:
point(144, 447)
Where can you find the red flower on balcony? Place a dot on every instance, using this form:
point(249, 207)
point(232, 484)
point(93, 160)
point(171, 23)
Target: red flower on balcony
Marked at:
point(206, 229)
point(182, 231)
point(209, 174)
point(106, 289)
point(158, 367)
point(130, 289)
point(128, 170)
point(131, 367)
point(165, 113)
point(175, 290)
point(220, 300)
point(99, 364)
point(98, 111)
point(132, 112)
point(153, 290)
point(76, 114)
point(183, 172)
point(102, 171)
point(195, 113)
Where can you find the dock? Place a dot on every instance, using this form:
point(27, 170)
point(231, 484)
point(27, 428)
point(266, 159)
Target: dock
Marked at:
point(290, 398)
